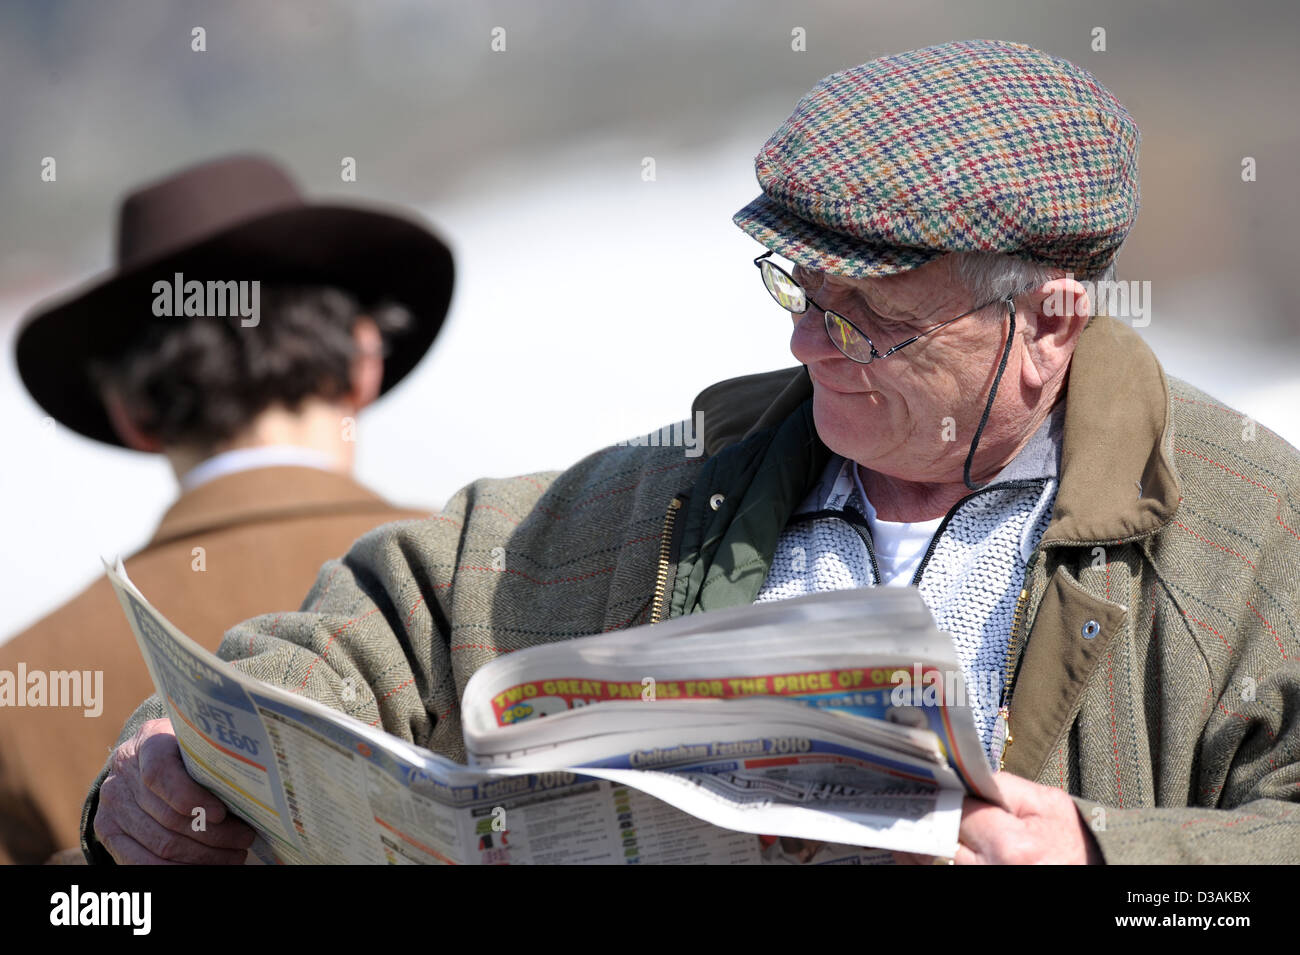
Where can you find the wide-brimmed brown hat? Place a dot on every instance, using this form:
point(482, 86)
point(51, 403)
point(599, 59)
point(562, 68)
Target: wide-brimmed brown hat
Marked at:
point(237, 218)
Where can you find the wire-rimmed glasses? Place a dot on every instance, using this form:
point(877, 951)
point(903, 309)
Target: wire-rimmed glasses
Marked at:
point(852, 342)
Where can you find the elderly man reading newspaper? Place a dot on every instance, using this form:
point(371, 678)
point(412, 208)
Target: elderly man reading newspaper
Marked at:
point(1116, 559)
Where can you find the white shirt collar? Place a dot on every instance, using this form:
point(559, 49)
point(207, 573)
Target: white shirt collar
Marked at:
point(246, 459)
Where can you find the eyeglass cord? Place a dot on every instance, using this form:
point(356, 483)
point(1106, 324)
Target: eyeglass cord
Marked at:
point(993, 393)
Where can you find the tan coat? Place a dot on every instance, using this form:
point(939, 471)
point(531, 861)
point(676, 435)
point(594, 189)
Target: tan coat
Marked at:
point(265, 534)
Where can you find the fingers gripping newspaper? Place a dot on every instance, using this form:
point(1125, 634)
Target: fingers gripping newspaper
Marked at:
point(815, 730)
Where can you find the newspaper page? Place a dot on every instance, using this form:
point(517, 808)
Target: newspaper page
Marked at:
point(795, 719)
point(321, 787)
point(866, 663)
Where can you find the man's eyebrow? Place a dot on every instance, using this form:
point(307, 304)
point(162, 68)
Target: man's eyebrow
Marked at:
point(840, 286)
point(890, 316)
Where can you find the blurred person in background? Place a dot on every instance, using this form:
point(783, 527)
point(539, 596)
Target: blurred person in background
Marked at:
point(253, 402)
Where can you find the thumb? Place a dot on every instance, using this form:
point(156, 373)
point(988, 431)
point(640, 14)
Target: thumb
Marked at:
point(1016, 792)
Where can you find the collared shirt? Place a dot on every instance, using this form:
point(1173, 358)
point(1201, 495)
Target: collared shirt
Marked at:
point(246, 459)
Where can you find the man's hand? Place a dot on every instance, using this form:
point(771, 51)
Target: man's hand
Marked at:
point(147, 802)
point(1040, 825)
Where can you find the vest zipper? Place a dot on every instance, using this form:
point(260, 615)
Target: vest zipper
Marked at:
point(866, 539)
point(859, 524)
point(1004, 709)
point(657, 609)
point(943, 525)
point(1013, 659)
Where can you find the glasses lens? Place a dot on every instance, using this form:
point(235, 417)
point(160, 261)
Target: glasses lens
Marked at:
point(783, 288)
point(848, 339)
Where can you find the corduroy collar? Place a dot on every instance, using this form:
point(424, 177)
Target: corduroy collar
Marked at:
point(1118, 481)
point(1117, 478)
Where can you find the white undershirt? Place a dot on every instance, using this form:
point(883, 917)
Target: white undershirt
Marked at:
point(899, 545)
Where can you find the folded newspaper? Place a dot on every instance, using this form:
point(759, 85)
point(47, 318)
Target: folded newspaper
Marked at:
point(815, 729)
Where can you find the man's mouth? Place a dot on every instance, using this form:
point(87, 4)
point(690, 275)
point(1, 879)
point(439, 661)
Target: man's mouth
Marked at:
point(839, 390)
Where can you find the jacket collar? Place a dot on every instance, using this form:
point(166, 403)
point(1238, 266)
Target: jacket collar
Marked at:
point(263, 494)
point(1118, 481)
point(1117, 434)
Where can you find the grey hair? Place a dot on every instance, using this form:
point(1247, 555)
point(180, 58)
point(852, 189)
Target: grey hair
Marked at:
point(992, 275)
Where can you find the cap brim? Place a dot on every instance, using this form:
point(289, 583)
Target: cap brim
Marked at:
point(373, 255)
point(815, 247)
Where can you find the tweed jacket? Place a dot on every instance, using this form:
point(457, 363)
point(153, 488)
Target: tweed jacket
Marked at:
point(1156, 667)
point(264, 533)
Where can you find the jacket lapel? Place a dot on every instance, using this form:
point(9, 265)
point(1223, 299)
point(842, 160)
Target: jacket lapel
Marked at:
point(1070, 633)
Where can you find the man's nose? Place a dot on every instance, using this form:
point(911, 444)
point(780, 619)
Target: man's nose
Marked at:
point(809, 342)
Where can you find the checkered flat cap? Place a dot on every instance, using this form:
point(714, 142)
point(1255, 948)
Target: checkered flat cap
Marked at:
point(977, 146)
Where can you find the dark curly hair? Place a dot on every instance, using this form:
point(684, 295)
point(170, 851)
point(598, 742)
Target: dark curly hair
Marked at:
point(199, 381)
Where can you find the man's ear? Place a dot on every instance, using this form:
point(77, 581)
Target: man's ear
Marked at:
point(126, 428)
point(1058, 311)
point(367, 369)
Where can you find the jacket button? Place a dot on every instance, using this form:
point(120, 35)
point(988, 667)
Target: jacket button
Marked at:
point(715, 502)
point(1091, 629)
